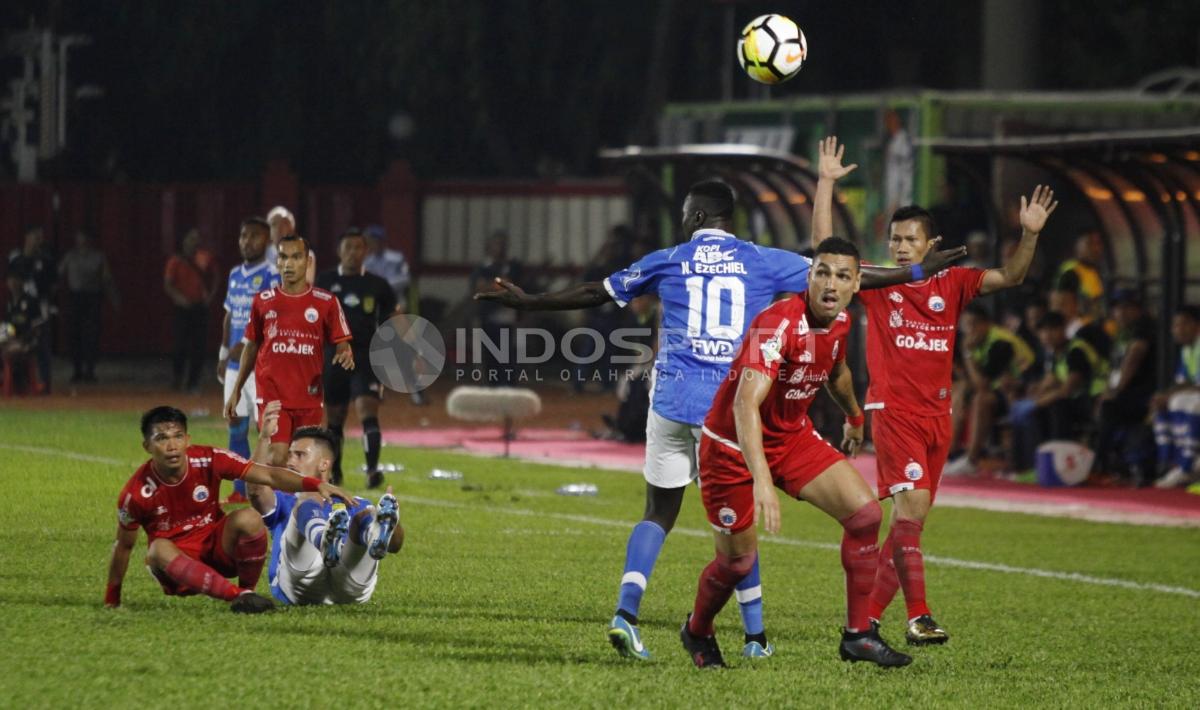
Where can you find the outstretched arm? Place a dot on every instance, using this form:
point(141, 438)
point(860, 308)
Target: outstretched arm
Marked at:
point(829, 171)
point(585, 295)
point(122, 549)
point(1034, 214)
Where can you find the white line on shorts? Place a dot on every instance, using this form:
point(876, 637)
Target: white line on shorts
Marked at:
point(937, 560)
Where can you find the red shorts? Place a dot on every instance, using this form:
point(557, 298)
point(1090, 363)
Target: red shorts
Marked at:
point(727, 488)
point(910, 450)
point(292, 419)
point(204, 546)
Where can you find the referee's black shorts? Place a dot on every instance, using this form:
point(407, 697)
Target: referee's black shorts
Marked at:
point(343, 385)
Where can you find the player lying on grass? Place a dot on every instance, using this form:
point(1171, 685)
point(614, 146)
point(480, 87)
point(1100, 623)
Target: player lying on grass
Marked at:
point(193, 546)
point(322, 554)
point(710, 287)
point(758, 436)
point(910, 353)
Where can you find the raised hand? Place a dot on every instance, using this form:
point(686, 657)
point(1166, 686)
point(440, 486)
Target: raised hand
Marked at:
point(935, 260)
point(1037, 209)
point(830, 164)
point(509, 294)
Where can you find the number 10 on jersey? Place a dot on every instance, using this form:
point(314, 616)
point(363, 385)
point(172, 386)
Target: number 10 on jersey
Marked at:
point(704, 307)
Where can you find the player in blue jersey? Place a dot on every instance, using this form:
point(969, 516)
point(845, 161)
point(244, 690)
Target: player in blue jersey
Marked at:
point(321, 553)
point(711, 287)
point(254, 274)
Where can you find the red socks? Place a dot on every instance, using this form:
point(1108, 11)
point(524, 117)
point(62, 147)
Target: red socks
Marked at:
point(886, 581)
point(860, 558)
point(910, 564)
point(901, 565)
point(716, 586)
point(200, 577)
point(249, 553)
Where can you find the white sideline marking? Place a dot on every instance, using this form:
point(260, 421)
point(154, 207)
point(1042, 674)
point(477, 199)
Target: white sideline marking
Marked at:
point(64, 454)
point(932, 559)
point(691, 532)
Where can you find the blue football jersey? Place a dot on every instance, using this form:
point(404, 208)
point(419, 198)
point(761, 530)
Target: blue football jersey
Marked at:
point(277, 521)
point(710, 287)
point(244, 284)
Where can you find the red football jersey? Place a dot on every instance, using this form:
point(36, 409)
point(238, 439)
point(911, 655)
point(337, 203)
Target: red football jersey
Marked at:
point(780, 344)
point(910, 340)
point(291, 332)
point(175, 510)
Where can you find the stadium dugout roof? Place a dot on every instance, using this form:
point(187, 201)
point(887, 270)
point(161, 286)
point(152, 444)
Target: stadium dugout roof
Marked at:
point(774, 187)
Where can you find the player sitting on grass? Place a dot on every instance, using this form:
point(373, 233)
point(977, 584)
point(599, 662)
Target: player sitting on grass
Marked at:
point(322, 554)
point(758, 436)
point(193, 545)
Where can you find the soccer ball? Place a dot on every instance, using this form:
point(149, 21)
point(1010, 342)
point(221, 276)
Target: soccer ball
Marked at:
point(771, 49)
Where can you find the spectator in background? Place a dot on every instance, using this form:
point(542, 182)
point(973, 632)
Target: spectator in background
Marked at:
point(1177, 409)
point(34, 265)
point(1121, 409)
point(190, 281)
point(995, 360)
point(494, 319)
point(388, 264)
point(1064, 299)
point(897, 164)
point(1082, 274)
point(23, 318)
point(84, 270)
point(1062, 400)
point(979, 254)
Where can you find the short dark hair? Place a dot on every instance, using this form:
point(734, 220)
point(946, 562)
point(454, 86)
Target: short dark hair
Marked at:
point(920, 214)
point(1052, 319)
point(837, 245)
point(162, 414)
point(1192, 312)
point(296, 238)
point(352, 232)
point(258, 222)
point(978, 311)
point(717, 195)
point(317, 433)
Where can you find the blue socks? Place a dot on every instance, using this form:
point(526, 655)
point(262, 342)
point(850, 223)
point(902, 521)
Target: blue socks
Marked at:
point(749, 597)
point(239, 443)
point(310, 518)
point(640, 555)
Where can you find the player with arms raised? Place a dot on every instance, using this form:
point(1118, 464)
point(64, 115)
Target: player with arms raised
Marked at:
point(910, 350)
point(283, 347)
point(758, 436)
point(193, 546)
point(710, 287)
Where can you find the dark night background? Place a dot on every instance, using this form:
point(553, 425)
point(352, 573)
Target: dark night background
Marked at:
point(205, 90)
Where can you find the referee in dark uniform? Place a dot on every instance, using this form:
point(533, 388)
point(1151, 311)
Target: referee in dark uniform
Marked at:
point(367, 300)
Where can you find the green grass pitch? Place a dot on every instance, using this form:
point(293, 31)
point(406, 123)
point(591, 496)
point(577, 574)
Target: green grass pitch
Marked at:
point(502, 593)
